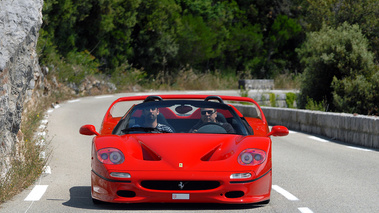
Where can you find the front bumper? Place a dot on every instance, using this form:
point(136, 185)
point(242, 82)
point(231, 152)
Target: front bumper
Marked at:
point(237, 191)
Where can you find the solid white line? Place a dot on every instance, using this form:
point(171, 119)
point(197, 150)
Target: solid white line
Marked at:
point(36, 193)
point(360, 149)
point(318, 139)
point(73, 101)
point(104, 96)
point(305, 210)
point(50, 110)
point(283, 192)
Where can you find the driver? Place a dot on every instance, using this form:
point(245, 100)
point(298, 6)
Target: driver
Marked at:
point(151, 115)
point(209, 115)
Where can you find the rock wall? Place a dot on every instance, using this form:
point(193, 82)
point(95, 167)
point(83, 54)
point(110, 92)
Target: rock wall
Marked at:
point(20, 21)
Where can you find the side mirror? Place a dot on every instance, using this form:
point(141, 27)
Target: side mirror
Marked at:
point(278, 131)
point(88, 130)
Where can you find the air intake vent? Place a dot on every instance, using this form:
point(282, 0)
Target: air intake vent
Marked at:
point(180, 185)
point(126, 193)
point(234, 194)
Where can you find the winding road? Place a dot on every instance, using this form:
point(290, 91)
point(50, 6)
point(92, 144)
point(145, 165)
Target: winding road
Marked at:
point(310, 174)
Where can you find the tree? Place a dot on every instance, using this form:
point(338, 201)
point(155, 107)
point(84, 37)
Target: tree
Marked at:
point(334, 13)
point(337, 63)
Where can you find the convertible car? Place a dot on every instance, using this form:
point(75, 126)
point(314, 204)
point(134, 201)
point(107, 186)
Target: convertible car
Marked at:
point(167, 149)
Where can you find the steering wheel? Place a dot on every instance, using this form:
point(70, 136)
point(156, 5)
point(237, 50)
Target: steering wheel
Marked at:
point(211, 128)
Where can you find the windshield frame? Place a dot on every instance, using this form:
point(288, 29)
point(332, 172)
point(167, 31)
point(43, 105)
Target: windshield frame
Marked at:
point(124, 122)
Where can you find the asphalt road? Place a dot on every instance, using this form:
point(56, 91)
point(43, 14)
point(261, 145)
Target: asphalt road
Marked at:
point(310, 174)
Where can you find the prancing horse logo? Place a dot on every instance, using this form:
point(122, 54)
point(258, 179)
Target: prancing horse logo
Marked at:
point(181, 185)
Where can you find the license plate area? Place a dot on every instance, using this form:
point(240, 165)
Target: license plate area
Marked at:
point(176, 196)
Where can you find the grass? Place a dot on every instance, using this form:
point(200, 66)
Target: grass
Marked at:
point(25, 162)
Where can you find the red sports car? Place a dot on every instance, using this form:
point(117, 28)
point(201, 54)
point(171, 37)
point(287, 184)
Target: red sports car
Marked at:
point(182, 148)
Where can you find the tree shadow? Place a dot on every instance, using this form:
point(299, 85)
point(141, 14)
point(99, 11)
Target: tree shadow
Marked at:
point(80, 197)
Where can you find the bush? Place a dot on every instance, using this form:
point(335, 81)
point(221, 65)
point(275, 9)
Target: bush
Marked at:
point(333, 60)
point(314, 105)
point(273, 99)
point(290, 99)
point(125, 77)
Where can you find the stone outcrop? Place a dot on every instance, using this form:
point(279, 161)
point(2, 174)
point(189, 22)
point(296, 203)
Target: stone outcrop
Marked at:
point(20, 22)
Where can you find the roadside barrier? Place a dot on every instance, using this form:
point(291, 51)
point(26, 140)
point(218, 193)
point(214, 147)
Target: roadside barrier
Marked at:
point(357, 130)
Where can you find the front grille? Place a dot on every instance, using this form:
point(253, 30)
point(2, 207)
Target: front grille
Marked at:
point(179, 185)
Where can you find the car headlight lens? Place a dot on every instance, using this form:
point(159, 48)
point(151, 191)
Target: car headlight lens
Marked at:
point(110, 156)
point(251, 157)
point(240, 176)
point(120, 175)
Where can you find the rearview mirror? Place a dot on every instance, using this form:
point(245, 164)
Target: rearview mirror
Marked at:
point(278, 131)
point(88, 130)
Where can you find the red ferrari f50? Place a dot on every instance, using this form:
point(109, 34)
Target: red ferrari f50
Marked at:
point(182, 148)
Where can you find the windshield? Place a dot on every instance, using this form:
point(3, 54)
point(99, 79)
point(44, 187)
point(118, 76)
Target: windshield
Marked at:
point(181, 116)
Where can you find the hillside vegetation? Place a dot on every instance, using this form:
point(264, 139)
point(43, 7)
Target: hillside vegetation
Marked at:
point(328, 46)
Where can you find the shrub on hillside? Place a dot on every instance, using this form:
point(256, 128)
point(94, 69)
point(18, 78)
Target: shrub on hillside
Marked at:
point(337, 68)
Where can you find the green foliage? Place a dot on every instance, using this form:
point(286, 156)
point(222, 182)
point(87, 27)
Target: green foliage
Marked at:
point(197, 40)
point(332, 55)
point(162, 38)
point(334, 13)
point(168, 35)
point(356, 94)
point(279, 56)
point(314, 105)
point(125, 76)
point(290, 99)
point(243, 92)
point(273, 100)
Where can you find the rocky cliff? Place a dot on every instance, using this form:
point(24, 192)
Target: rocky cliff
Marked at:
point(20, 21)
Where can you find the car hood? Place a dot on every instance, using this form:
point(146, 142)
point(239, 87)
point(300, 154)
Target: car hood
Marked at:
point(183, 150)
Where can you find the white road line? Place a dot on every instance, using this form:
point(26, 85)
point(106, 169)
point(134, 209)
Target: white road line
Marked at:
point(73, 101)
point(104, 96)
point(305, 210)
point(318, 139)
point(42, 155)
point(41, 134)
point(285, 193)
point(50, 110)
point(36, 193)
point(47, 170)
point(360, 149)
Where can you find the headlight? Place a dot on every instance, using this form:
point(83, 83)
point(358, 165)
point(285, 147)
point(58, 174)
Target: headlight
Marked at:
point(251, 157)
point(110, 156)
point(240, 176)
point(120, 175)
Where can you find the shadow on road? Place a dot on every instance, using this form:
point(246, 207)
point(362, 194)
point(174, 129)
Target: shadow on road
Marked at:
point(80, 197)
